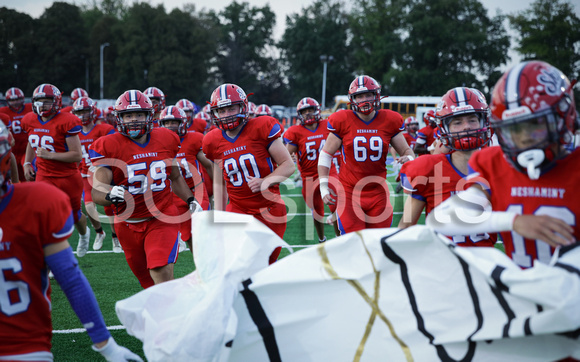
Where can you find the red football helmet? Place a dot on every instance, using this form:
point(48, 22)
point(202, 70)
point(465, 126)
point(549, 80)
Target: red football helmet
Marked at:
point(15, 99)
point(206, 117)
point(85, 104)
point(461, 101)
point(134, 101)
point(174, 113)
point(429, 118)
point(308, 103)
point(109, 115)
point(5, 151)
point(365, 84)
point(411, 124)
point(157, 97)
point(226, 95)
point(263, 110)
point(534, 114)
point(77, 93)
point(46, 91)
point(188, 107)
point(251, 109)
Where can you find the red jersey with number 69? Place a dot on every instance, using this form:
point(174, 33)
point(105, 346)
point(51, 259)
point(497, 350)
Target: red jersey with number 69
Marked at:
point(433, 179)
point(143, 168)
point(555, 193)
point(309, 144)
point(87, 139)
point(52, 136)
point(20, 137)
point(365, 145)
point(25, 305)
point(245, 155)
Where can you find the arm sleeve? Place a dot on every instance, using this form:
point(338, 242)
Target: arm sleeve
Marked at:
point(79, 293)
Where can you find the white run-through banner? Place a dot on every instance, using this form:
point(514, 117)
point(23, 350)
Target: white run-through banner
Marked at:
point(379, 294)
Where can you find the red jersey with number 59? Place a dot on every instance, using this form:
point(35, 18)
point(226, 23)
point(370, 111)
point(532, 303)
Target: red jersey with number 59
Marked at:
point(52, 136)
point(555, 193)
point(433, 179)
point(309, 144)
point(32, 216)
point(245, 155)
point(365, 145)
point(87, 139)
point(143, 168)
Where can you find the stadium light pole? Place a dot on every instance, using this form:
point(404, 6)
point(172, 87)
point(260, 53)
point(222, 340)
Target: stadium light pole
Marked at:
point(325, 59)
point(102, 75)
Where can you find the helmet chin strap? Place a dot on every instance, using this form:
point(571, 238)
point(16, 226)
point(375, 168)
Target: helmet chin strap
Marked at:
point(531, 159)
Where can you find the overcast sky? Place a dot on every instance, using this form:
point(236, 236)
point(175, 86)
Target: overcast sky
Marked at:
point(282, 8)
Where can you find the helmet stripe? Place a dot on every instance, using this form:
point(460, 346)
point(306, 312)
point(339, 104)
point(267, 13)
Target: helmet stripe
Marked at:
point(512, 93)
point(361, 81)
point(223, 92)
point(460, 96)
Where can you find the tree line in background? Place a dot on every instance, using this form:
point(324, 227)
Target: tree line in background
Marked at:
point(418, 47)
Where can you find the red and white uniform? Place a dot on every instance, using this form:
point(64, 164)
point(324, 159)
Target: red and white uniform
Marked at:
point(426, 135)
point(310, 144)
point(20, 137)
point(555, 193)
point(87, 139)
point(147, 222)
point(363, 173)
point(433, 179)
point(52, 135)
point(24, 287)
point(190, 170)
point(410, 139)
point(247, 155)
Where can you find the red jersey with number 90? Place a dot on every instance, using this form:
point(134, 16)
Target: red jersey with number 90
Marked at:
point(555, 193)
point(143, 168)
point(245, 155)
point(365, 145)
point(52, 136)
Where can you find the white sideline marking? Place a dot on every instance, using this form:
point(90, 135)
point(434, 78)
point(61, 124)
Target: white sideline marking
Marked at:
point(82, 330)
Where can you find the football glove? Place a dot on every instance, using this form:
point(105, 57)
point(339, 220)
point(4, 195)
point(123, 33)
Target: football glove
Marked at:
point(194, 206)
point(115, 353)
point(116, 195)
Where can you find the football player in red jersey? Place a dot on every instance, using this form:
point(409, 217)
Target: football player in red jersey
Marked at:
point(246, 152)
point(463, 122)
point(74, 95)
point(531, 180)
point(136, 171)
point(53, 138)
point(364, 133)
point(189, 157)
point(84, 108)
point(34, 239)
point(411, 128)
point(426, 135)
point(16, 110)
point(305, 140)
point(157, 97)
point(194, 124)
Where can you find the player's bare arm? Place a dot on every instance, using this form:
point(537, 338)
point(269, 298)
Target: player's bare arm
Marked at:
point(402, 147)
point(207, 164)
point(29, 173)
point(74, 153)
point(284, 170)
point(331, 145)
point(411, 212)
point(178, 184)
point(102, 178)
